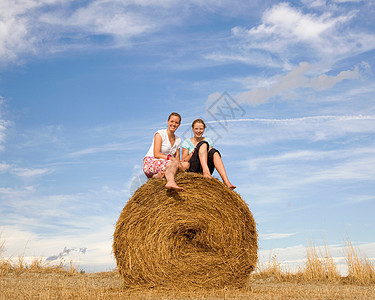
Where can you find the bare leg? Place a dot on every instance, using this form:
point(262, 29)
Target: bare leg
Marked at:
point(170, 173)
point(203, 160)
point(219, 165)
point(159, 175)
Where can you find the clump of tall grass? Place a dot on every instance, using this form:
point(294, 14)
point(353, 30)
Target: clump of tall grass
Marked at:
point(37, 265)
point(319, 266)
point(360, 269)
point(272, 269)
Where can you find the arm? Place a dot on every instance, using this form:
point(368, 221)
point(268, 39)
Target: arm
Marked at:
point(157, 147)
point(177, 154)
point(185, 154)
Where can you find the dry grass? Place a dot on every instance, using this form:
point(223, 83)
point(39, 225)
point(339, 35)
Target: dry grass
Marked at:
point(109, 285)
point(204, 236)
point(319, 266)
point(317, 279)
point(360, 269)
point(38, 265)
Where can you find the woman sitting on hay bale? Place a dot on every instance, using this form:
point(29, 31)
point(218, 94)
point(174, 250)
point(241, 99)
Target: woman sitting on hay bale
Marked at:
point(198, 151)
point(163, 157)
point(198, 154)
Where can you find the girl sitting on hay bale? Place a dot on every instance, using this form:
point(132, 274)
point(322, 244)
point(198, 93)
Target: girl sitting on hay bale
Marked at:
point(163, 157)
point(198, 151)
point(198, 155)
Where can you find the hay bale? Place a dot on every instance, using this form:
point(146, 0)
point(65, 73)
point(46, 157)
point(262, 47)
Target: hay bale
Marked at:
point(204, 236)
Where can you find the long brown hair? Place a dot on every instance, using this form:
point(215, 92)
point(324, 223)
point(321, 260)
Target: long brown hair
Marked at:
point(175, 115)
point(198, 121)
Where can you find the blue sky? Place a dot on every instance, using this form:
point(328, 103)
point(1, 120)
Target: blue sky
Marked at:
point(286, 87)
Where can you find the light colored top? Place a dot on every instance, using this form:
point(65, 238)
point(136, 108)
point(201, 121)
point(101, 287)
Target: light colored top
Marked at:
point(188, 144)
point(166, 147)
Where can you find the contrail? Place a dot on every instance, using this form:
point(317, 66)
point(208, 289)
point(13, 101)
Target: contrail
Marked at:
point(302, 119)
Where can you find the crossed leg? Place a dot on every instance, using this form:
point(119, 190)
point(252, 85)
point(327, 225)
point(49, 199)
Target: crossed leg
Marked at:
point(218, 163)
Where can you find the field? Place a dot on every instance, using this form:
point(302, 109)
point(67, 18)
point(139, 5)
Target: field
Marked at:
point(59, 285)
point(318, 279)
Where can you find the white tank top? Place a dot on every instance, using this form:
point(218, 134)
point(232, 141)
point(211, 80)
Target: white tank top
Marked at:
point(166, 147)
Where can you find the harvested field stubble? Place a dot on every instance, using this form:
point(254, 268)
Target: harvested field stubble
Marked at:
point(204, 236)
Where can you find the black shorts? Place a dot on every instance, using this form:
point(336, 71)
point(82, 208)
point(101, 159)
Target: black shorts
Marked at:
point(195, 164)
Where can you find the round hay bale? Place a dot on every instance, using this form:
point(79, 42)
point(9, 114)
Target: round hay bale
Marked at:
point(203, 237)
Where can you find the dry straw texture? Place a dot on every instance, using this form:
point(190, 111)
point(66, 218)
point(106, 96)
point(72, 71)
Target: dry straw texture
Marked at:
point(204, 236)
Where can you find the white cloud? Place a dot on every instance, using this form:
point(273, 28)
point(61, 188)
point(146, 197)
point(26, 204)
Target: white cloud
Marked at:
point(24, 172)
point(345, 1)
point(298, 77)
point(100, 149)
point(31, 26)
point(315, 128)
point(309, 156)
point(357, 169)
point(17, 26)
point(103, 17)
point(287, 22)
point(302, 169)
point(34, 26)
point(314, 3)
point(275, 236)
point(287, 34)
point(19, 241)
point(3, 124)
point(4, 167)
point(359, 198)
point(65, 220)
point(12, 194)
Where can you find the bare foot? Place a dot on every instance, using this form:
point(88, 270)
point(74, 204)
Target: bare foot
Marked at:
point(231, 186)
point(207, 174)
point(173, 186)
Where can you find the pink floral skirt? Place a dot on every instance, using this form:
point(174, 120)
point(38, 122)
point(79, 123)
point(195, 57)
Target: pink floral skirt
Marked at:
point(152, 166)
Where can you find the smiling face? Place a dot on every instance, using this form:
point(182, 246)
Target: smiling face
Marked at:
point(198, 129)
point(173, 123)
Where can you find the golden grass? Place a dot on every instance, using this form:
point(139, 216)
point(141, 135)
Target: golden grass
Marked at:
point(319, 265)
point(317, 279)
point(109, 285)
point(37, 265)
point(204, 236)
point(360, 269)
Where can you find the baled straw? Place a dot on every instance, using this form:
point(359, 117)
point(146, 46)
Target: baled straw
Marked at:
point(202, 237)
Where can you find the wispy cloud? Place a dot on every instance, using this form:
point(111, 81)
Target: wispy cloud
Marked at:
point(286, 86)
point(3, 123)
point(66, 252)
point(24, 172)
point(309, 156)
point(288, 34)
point(90, 250)
point(4, 167)
point(46, 26)
point(313, 128)
point(281, 173)
point(359, 198)
point(34, 26)
point(101, 149)
point(276, 236)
